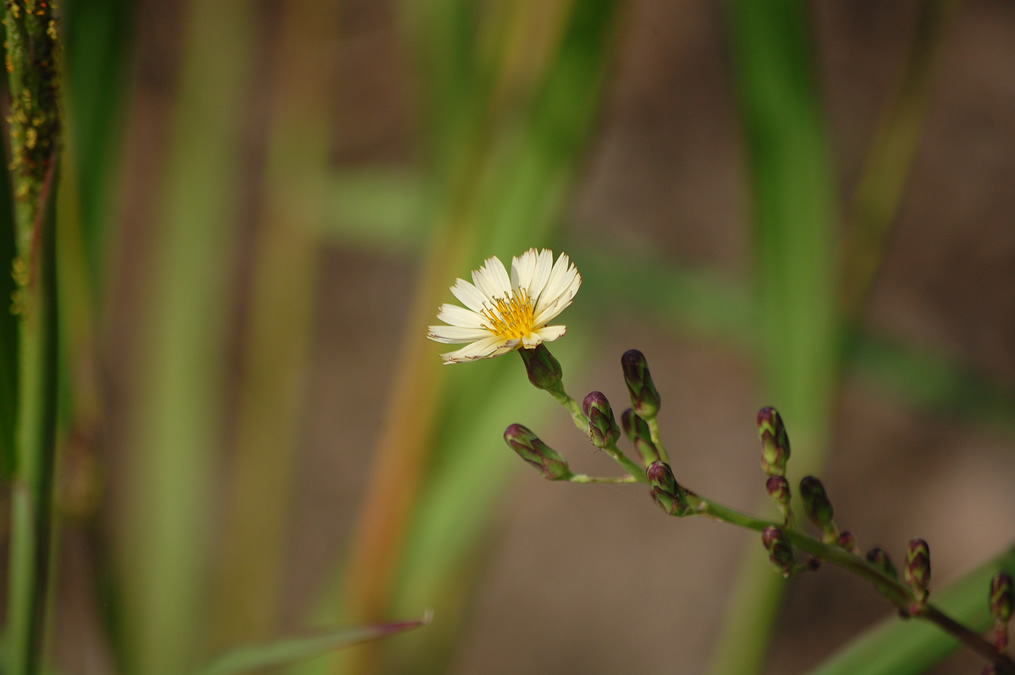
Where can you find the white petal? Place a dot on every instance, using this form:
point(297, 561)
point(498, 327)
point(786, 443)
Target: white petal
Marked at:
point(557, 297)
point(551, 333)
point(522, 269)
point(456, 334)
point(459, 316)
point(492, 279)
point(481, 349)
point(544, 263)
point(469, 295)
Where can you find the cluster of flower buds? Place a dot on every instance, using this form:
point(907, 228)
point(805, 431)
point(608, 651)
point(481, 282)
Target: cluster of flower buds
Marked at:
point(819, 508)
point(637, 432)
point(774, 455)
point(1002, 599)
point(670, 497)
point(537, 453)
point(780, 553)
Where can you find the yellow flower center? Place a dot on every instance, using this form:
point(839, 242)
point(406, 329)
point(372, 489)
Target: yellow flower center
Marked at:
point(511, 317)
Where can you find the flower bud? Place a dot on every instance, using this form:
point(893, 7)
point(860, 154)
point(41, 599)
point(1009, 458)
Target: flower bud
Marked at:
point(543, 369)
point(644, 397)
point(774, 442)
point(637, 431)
point(537, 453)
point(1002, 596)
point(917, 570)
point(603, 427)
point(779, 550)
point(665, 491)
point(778, 490)
point(818, 507)
point(878, 557)
point(847, 541)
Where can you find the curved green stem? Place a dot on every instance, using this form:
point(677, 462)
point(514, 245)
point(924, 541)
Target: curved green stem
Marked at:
point(896, 592)
point(653, 428)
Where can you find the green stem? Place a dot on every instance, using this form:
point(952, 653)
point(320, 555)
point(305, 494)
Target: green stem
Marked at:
point(896, 592)
point(580, 421)
point(34, 120)
point(657, 440)
point(582, 478)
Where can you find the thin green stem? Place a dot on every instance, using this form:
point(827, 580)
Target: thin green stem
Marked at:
point(653, 428)
point(582, 478)
point(582, 422)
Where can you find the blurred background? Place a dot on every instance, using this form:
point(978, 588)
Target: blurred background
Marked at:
point(806, 205)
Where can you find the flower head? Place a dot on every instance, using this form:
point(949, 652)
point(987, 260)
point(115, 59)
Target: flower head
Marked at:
point(504, 313)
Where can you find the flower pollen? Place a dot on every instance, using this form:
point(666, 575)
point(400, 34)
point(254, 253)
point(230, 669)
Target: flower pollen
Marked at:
point(510, 317)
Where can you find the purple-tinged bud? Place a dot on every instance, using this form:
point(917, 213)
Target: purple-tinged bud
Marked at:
point(774, 442)
point(847, 541)
point(537, 453)
point(644, 397)
point(778, 490)
point(637, 431)
point(1002, 597)
point(543, 370)
point(670, 497)
point(818, 507)
point(603, 429)
point(878, 557)
point(917, 570)
point(780, 553)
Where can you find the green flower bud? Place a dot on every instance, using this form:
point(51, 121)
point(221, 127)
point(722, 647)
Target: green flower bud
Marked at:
point(818, 507)
point(603, 427)
point(644, 397)
point(665, 491)
point(637, 431)
point(537, 453)
point(543, 370)
point(1002, 596)
point(917, 570)
point(774, 442)
point(779, 550)
point(878, 557)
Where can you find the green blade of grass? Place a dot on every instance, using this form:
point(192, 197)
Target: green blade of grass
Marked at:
point(176, 429)
point(279, 653)
point(795, 214)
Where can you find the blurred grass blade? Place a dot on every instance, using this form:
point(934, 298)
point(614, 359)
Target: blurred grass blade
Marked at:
point(280, 323)
point(285, 652)
point(375, 210)
point(9, 341)
point(890, 160)
point(97, 57)
point(795, 215)
point(896, 647)
point(176, 430)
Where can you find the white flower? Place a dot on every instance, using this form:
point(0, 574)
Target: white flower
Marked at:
point(502, 314)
